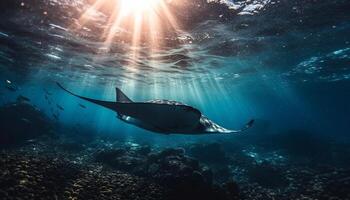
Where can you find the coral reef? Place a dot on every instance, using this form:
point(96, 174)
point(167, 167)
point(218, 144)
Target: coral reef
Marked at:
point(21, 121)
point(183, 176)
point(29, 177)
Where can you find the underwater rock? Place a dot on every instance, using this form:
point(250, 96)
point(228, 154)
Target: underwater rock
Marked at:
point(300, 145)
point(22, 121)
point(232, 189)
point(173, 162)
point(209, 153)
point(33, 177)
point(120, 159)
point(222, 174)
point(169, 176)
point(144, 150)
point(267, 175)
point(107, 155)
point(339, 186)
point(207, 175)
point(183, 176)
point(113, 157)
point(71, 146)
point(171, 152)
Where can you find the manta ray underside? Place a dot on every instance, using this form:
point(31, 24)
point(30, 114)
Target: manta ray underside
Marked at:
point(161, 116)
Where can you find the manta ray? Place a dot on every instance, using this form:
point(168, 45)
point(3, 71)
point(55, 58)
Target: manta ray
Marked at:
point(161, 116)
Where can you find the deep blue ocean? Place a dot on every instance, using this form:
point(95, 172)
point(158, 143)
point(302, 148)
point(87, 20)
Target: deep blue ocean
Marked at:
point(285, 64)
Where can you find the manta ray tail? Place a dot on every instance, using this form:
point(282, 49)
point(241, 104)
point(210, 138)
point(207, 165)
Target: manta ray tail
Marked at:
point(248, 125)
point(107, 104)
point(245, 127)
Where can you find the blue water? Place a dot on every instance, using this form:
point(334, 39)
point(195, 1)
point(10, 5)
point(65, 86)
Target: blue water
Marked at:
point(284, 64)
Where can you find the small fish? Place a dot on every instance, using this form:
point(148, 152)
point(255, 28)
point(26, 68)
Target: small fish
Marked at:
point(81, 105)
point(31, 141)
point(22, 98)
point(55, 116)
point(10, 86)
point(27, 121)
point(47, 92)
point(59, 107)
point(4, 34)
point(47, 99)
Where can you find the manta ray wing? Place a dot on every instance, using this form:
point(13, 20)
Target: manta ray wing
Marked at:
point(212, 127)
point(163, 116)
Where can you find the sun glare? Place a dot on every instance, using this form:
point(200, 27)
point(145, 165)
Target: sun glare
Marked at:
point(139, 6)
point(137, 23)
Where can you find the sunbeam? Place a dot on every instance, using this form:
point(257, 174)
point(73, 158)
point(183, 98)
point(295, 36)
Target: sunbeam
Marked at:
point(138, 25)
point(132, 17)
